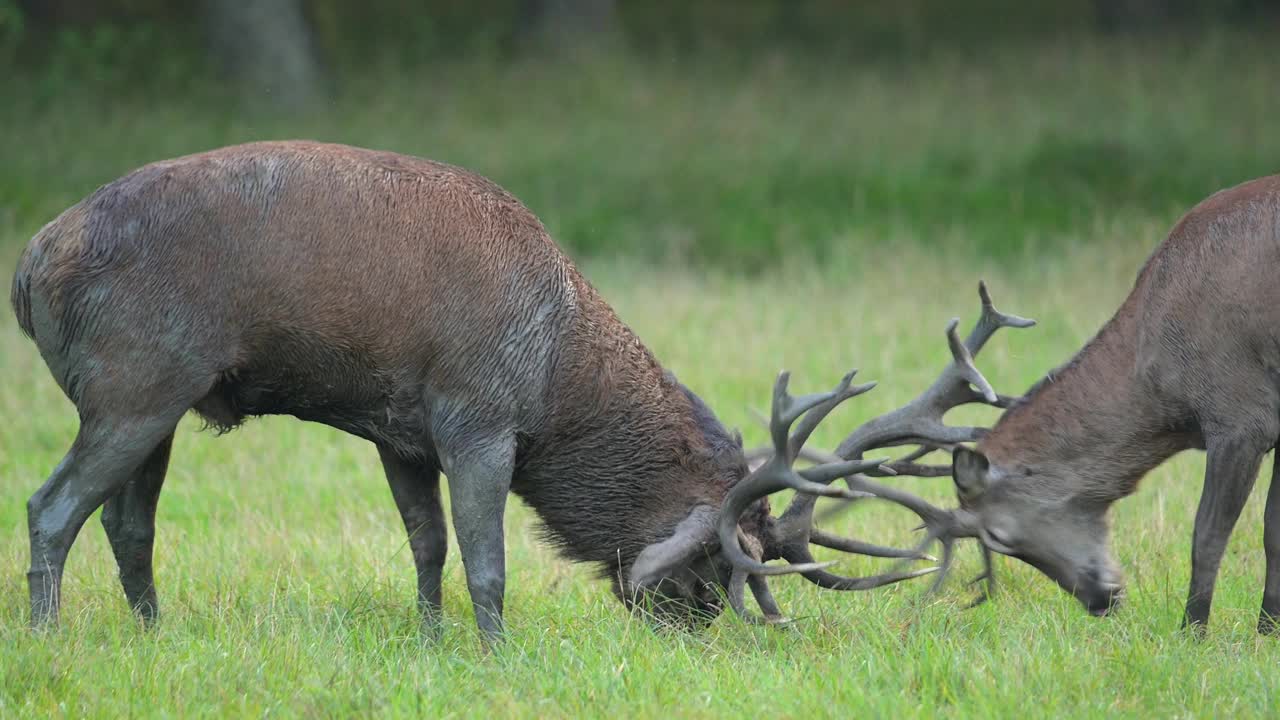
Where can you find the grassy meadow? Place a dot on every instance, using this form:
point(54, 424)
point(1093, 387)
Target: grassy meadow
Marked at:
point(741, 220)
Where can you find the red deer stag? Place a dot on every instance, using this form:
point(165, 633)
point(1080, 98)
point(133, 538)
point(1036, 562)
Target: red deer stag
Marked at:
point(423, 308)
point(1190, 360)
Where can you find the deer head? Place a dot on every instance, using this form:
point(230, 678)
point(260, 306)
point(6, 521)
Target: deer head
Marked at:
point(731, 547)
point(1066, 538)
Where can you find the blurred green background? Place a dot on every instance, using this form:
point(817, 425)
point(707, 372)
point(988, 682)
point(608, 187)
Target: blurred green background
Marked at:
point(732, 133)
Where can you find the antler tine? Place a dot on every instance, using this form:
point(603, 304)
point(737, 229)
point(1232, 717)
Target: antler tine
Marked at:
point(810, 421)
point(830, 581)
point(918, 469)
point(990, 321)
point(735, 593)
point(1004, 402)
point(963, 365)
point(820, 476)
point(989, 575)
point(787, 409)
point(920, 421)
point(948, 559)
point(759, 585)
point(857, 547)
point(907, 465)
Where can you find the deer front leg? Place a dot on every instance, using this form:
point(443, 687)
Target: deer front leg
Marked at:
point(479, 478)
point(1231, 469)
point(1269, 619)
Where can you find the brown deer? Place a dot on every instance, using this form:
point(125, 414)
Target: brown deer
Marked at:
point(423, 308)
point(1190, 360)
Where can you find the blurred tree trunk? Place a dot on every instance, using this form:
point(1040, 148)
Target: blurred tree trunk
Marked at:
point(568, 24)
point(266, 48)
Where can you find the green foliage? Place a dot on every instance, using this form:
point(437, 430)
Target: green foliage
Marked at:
point(374, 35)
point(107, 57)
point(383, 34)
point(12, 25)
point(732, 164)
point(833, 27)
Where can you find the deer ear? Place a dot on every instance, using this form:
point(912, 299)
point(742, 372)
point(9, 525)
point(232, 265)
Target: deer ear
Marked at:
point(689, 539)
point(969, 469)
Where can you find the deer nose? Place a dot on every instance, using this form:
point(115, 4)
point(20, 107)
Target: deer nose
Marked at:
point(1100, 592)
point(1103, 598)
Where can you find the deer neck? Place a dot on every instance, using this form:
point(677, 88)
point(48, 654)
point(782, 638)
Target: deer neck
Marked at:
point(627, 452)
point(1092, 426)
point(609, 487)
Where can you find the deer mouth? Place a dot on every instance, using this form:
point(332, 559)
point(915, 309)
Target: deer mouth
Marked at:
point(1099, 597)
point(1103, 599)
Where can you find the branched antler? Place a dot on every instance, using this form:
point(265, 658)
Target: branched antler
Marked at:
point(777, 473)
point(919, 422)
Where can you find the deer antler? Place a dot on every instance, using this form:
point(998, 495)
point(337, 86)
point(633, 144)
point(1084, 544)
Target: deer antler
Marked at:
point(919, 422)
point(777, 473)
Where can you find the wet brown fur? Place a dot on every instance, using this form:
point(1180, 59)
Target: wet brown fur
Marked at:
point(405, 301)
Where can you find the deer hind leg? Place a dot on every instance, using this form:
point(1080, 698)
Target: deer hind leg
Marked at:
point(1231, 469)
point(130, 397)
point(130, 521)
point(416, 489)
point(479, 478)
point(1269, 618)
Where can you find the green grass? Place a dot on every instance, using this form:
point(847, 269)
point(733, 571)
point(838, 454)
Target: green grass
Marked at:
point(839, 215)
point(287, 590)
